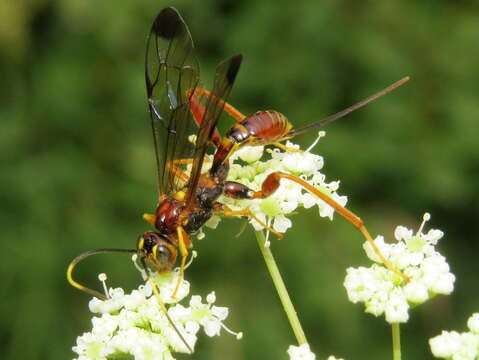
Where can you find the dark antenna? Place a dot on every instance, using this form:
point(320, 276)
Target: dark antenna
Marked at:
point(83, 256)
point(348, 110)
point(99, 295)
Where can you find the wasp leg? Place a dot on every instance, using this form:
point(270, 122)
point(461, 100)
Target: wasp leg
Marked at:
point(228, 108)
point(228, 212)
point(183, 240)
point(271, 184)
point(181, 161)
point(185, 161)
point(286, 148)
point(197, 109)
point(178, 172)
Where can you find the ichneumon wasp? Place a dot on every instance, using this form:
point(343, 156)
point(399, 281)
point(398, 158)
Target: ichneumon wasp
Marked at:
point(188, 196)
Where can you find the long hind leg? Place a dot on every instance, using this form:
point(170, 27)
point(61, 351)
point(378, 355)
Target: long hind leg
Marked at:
point(228, 108)
point(271, 184)
point(198, 110)
point(228, 212)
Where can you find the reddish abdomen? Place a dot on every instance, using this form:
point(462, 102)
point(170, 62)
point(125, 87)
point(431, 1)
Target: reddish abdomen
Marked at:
point(267, 126)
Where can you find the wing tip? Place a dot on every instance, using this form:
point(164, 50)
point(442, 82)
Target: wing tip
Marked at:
point(234, 66)
point(168, 23)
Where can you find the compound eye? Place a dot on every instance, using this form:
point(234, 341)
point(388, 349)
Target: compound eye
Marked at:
point(162, 255)
point(150, 240)
point(147, 241)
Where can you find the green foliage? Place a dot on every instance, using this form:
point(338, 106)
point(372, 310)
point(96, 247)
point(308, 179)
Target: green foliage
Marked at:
point(78, 165)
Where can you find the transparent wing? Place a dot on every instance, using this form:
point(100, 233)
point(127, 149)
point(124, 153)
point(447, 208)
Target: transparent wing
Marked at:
point(225, 76)
point(171, 69)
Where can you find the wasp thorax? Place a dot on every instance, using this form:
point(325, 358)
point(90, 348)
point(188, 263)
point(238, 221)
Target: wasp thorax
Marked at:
point(167, 213)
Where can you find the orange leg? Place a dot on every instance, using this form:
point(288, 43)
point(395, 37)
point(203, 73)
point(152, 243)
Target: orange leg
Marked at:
point(178, 172)
point(230, 213)
point(270, 185)
point(197, 109)
point(185, 161)
point(183, 241)
point(228, 108)
point(286, 148)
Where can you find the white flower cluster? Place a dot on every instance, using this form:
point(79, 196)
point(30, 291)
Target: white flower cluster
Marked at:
point(247, 168)
point(458, 346)
point(134, 325)
point(303, 352)
point(384, 292)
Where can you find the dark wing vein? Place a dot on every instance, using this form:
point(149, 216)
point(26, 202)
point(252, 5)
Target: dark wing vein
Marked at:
point(225, 76)
point(170, 70)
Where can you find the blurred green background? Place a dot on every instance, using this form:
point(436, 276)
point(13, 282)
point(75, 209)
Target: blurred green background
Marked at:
point(77, 163)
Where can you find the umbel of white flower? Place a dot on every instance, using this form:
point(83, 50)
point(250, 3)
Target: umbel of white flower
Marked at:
point(135, 326)
point(303, 352)
point(249, 168)
point(458, 346)
point(384, 292)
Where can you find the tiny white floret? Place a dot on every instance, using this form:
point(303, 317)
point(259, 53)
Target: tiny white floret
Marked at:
point(302, 352)
point(473, 323)
point(384, 292)
point(135, 325)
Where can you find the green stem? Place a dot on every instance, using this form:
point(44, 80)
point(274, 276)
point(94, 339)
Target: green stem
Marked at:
point(281, 289)
point(396, 341)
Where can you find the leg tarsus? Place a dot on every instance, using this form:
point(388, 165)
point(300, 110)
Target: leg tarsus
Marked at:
point(381, 257)
point(286, 148)
point(182, 237)
point(171, 165)
point(198, 110)
point(230, 213)
point(271, 184)
point(228, 108)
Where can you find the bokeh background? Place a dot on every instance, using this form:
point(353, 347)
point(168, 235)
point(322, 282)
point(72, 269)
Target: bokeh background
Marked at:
point(77, 163)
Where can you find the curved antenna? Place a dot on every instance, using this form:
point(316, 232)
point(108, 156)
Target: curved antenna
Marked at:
point(99, 295)
point(348, 110)
point(83, 256)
